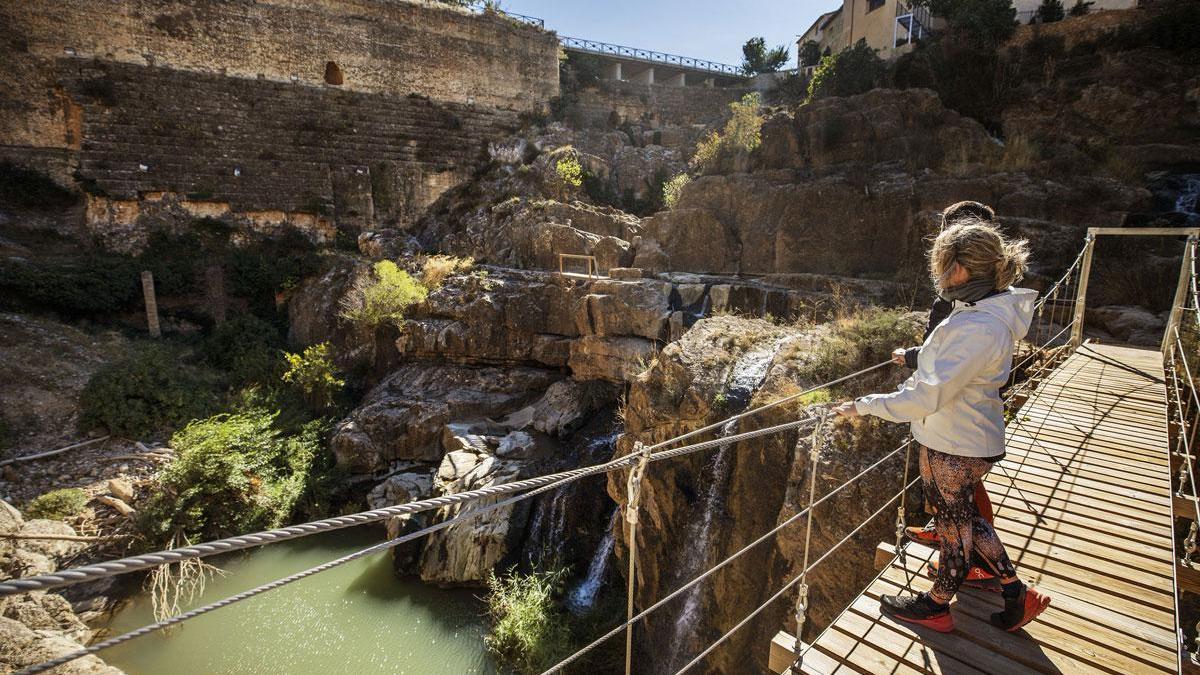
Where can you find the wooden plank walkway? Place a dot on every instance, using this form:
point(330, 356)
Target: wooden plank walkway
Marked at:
point(1089, 454)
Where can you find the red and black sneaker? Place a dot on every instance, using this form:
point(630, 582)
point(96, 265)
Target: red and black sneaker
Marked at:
point(918, 609)
point(926, 535)
point(1020, 610)
point(977, 577)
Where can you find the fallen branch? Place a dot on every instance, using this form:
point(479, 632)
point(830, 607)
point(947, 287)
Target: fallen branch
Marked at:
point(117, 505)
point(26, 458)
point(141, 458)
point(62, 537)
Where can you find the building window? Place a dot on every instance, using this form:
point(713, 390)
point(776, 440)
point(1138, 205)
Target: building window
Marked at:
point(333, 74)
point(873, 5)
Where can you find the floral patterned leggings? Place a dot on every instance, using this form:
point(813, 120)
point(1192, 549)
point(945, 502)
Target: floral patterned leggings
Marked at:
point(949, 482)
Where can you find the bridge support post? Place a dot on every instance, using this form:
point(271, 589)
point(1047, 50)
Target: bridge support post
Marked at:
point(1181, 288)
point(613, 71)
point(1085, 271)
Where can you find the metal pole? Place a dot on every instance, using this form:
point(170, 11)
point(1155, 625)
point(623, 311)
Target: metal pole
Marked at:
point(1085, 270)
point(1181, 288)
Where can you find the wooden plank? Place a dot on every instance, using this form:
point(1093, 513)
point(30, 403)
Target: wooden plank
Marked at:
point(1090, 456)
point(1105, 617)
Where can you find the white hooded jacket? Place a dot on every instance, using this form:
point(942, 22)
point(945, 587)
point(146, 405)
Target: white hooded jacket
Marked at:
point(953, 398)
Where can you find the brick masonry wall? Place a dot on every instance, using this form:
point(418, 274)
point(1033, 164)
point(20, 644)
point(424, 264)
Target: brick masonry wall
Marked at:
point(634, 102)
point(221, 107)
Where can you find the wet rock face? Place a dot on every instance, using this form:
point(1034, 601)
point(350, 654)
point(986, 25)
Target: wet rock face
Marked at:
point(699, 509)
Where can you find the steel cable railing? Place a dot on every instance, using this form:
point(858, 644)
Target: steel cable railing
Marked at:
point(528, 488)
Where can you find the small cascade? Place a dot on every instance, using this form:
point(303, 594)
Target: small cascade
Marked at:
point(584, 595)
point(1187, 201)
point(748, 374)
point(547, 538)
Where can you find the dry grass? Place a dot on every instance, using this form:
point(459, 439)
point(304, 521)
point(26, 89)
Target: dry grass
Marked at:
point(437, 268)
point(1020, 154)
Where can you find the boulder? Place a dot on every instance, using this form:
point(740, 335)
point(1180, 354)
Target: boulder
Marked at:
point(467, 552)
point(22, 646)
point(403, 488)
point(403, 418)
point(1129, 323)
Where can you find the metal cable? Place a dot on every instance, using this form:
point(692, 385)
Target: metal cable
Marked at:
point(793, 582)
point(712, 570)
point(279, 583)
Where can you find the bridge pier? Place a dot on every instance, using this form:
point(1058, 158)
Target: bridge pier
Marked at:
point(677, 80)
point(613, 71)
point(645, 76)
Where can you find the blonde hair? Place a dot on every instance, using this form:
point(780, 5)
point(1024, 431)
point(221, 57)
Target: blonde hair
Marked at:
point(981, 250)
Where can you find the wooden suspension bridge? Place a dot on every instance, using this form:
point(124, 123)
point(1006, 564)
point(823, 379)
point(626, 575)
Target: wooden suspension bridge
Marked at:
point(1086, 506)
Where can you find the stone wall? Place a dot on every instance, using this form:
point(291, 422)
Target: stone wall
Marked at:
point(359, 112)
point(655, 103)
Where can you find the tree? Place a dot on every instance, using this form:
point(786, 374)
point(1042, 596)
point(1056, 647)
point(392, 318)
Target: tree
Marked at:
point(810, 53)
point(1080, 8)
point(851, 71)
point(756, 58)
point(981, 21)
point(1050, 11)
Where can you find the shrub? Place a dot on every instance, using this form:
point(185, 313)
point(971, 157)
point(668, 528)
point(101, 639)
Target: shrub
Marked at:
point(851, 71)
point(57, 504)
point(810, 53)
point(26, 188)
point(246, 347)
point(1050, 11)
point(436, 269)
point(313, 375)
point(569, 171)
point(146, 393)
point(232, 474)
point(742, 133)
point(98, 284)
point(673, 188)
point(863, 339)
point(986, 22)
point(529, 633)
point(382, 298)
point(273, 264)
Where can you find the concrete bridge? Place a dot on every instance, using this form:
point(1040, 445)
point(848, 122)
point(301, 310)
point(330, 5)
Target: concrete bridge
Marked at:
point(650, 67)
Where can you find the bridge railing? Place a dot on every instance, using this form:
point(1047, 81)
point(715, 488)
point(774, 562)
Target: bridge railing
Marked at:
point(597, 47)
point(498, 496)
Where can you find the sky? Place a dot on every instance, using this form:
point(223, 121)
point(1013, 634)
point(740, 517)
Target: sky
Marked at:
point(698, 28)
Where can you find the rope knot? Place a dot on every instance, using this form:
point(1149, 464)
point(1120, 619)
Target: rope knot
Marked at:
point(634, 486)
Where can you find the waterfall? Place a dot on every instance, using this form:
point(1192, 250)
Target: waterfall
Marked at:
point(584, 595)
point(547, 538)
point(1188, 200)
point(748, 374)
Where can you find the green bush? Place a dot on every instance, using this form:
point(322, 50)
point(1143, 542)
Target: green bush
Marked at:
point(144, 394)
point(26, 188)
point(96, 284)
point(982, 22)
point(1080, 8)
point(529, 632)
point(246, 347)
point(569, 171)
point(673, 188)
point(57, 504)
point(860, 340)
point(232, 474)
point(851, 71)
point(258, 271)
point(741, 133)
point(314, 376)
point(383, 298)
point(810, 53)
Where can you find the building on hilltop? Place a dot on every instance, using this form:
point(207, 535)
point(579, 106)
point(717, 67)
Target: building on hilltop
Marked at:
point(892, 27)
point(889, 26)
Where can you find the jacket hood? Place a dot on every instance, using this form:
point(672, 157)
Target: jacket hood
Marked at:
point(1014, 309)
